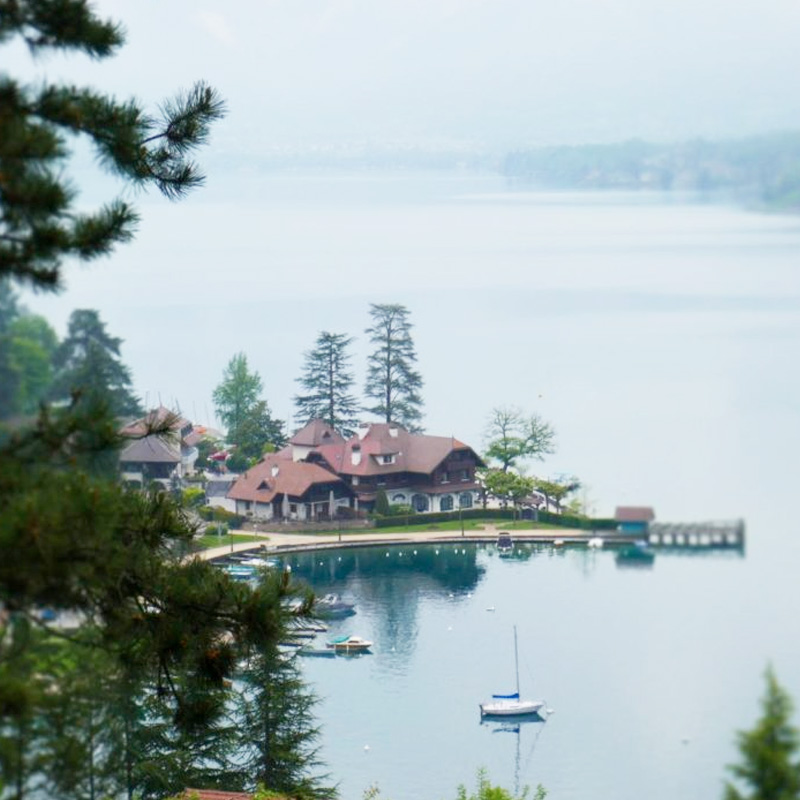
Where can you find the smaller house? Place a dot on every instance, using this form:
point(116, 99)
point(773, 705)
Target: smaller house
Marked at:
point(158, 457)
point(282, 489)
point(634, 520)
point(217, 488)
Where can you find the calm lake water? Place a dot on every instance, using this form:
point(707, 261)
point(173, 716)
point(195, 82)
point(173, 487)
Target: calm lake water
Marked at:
point(649, 670)
point(659, 335)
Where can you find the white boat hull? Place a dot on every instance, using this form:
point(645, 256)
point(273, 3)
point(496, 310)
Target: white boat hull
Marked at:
point(511, 708)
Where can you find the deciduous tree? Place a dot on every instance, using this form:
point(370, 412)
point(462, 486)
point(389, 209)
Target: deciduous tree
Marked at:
point(327, 382)
point(507, 487)
point(512, 436)
point(247, 418)
point(392, 382)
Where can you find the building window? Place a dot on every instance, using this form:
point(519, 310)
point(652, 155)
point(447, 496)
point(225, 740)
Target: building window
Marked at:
point(419, 503)
point(398, 498)
point(292, 508)
point(446, 503)
point(464, 474)
point(445, 477)
point(381, 481)
point(387, 459)
point(355, 480)
point(465, 500)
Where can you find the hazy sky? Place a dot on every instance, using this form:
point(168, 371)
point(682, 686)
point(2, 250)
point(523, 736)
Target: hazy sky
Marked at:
point(485, 72)
point(517, 299)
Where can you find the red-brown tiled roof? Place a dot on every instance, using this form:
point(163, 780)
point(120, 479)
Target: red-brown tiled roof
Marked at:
point(634, 514)
point(293, 478)
point(316, 433)
point(215, 794)
point(413, 452)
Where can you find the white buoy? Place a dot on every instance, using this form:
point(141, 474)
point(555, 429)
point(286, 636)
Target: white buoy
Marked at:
point(491, 608)
point(366, 748)
point(550, 711)
point(449, 627)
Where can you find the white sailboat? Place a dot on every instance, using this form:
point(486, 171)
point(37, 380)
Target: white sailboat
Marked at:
point(511, 705)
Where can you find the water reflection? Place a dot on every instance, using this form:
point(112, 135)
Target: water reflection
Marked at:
point(584, 622)
point(522, 757)
point(390, 583)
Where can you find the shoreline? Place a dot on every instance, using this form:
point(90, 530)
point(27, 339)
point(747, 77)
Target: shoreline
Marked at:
point(276, 542)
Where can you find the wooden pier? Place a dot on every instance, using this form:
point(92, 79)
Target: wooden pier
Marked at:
point(730, 533)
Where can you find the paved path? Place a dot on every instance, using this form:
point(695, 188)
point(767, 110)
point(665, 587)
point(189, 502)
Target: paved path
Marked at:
point(276, 541)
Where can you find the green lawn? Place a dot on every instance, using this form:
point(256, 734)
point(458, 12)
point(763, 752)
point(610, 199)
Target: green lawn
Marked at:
point(212, 540)
point(469, 525)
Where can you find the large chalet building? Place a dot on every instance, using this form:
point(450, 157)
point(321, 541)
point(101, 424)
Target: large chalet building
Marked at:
point(320, 472)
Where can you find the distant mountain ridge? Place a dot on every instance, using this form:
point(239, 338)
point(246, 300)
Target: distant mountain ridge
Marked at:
point(764, 169)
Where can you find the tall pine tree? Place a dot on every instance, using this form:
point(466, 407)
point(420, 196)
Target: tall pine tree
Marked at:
point(327, 381)
point(392, 382)
point(88, 365)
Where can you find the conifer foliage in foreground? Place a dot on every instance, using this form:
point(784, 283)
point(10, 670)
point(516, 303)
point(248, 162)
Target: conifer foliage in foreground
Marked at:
point(770, 751)
point(137, 699)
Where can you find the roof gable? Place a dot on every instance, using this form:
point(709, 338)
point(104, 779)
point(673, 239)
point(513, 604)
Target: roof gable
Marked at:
point(634, 514)
point(409, 452)
point(274, 476)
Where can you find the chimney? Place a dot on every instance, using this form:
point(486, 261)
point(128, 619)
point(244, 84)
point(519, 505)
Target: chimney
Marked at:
point(275, 470)
point(355, 454)
point(393, 431)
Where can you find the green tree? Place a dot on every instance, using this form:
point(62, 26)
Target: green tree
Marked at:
point(327, 381)
point(556, 490)
point(32, 345)
point(87, 364)
point(259, 432)
point(275, 711)
point(10, 378)
point(382, 503)
point(512, 436)
point(236, 395)
point(72, 539)
point(507, 487)
point(770, 767)
point(39, 223)
point(392, 381)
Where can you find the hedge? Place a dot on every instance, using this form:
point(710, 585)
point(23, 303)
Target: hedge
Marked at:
point(564, 520)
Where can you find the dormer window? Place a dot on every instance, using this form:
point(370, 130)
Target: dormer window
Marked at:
point(387, 459)
point(445, 477)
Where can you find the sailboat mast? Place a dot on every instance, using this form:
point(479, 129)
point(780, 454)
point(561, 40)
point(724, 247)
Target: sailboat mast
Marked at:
point(516, 658)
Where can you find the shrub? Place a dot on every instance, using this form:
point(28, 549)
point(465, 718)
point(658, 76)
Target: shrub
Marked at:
point(193, 497)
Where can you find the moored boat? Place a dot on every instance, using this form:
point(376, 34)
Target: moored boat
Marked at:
point(350, 644)
point(511, 705)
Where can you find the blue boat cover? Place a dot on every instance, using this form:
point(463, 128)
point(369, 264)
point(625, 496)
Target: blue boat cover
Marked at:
point(514, 696)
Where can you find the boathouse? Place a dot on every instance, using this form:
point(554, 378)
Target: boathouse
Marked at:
point(634, 520)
